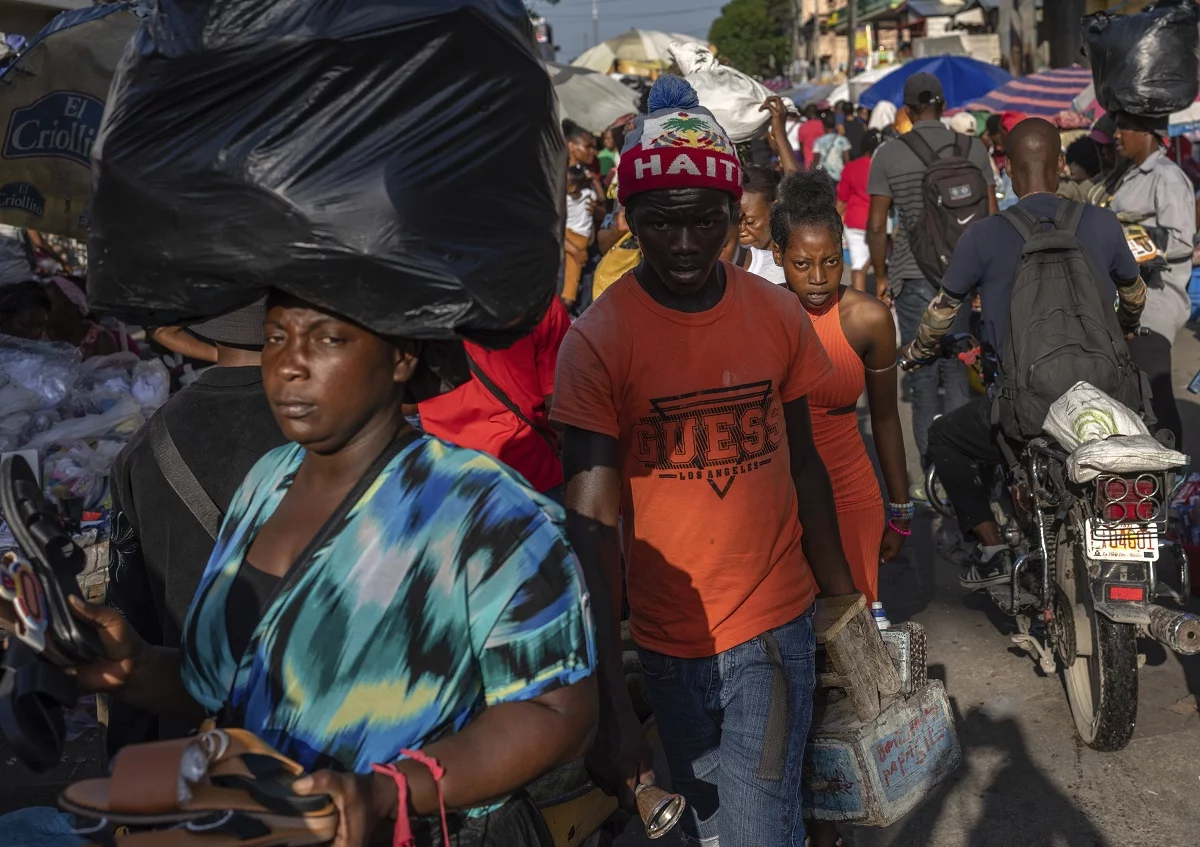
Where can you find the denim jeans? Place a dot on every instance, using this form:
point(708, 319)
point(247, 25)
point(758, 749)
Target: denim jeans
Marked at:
point(734, 727)
point(911, 303)
point(38, 826)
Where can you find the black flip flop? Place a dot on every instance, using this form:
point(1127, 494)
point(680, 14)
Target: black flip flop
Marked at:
point(54, 558)
point(33, 693)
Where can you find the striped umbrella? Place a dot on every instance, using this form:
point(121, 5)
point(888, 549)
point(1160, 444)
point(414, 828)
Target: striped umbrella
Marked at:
point(1042, 94)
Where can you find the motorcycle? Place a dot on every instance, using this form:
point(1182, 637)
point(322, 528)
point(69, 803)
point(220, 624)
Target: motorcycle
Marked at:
point(1092, 565)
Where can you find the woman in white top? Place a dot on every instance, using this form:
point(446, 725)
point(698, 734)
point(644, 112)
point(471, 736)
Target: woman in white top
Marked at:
point(759, 187)
point(581, 224)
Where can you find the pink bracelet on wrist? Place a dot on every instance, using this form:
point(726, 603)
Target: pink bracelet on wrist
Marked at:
point(899, 530)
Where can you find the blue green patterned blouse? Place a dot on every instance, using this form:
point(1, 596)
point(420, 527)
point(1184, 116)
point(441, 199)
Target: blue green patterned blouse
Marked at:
point(448, 586)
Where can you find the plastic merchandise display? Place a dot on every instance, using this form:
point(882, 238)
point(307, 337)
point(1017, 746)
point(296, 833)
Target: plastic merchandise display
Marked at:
point(48, 369)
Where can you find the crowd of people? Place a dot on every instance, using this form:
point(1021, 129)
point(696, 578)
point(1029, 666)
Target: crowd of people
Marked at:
point(365, 573)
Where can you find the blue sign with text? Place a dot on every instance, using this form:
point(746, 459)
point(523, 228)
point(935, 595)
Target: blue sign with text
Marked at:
point(63, 125)
point(23, 196)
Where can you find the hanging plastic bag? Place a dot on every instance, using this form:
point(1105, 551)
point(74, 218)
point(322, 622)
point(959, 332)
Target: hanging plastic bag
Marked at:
point(734, 98)
point(122, 419)
point(48, 369)
point(1145, 64)
point(396, 163)
point(151, 385)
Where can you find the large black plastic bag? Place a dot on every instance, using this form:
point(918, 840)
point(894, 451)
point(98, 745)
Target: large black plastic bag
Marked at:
point(1146, 64)
point(396, 162)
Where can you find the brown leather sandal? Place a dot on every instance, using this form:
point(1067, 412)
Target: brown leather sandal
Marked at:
point(221, 787)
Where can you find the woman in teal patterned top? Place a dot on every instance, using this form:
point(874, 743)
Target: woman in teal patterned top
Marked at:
point(374, 590)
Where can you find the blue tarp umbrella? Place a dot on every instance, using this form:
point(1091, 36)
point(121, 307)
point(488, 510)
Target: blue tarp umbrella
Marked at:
point(963, 80)
point(51, 100)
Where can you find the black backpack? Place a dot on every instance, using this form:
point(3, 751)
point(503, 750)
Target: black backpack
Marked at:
point(1060, 329)
point(954, 194)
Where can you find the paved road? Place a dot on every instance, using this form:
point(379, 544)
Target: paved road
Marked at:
point(1026, 779)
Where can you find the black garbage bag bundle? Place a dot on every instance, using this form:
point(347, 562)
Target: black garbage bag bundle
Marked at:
point(397, 163)
point(1145, 64)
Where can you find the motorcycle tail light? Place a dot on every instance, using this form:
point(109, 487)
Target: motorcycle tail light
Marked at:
point(1119, 499)
point(1113, 512)
point(1127, 593)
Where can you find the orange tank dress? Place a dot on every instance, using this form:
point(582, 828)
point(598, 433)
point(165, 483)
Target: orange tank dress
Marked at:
point(856, 495)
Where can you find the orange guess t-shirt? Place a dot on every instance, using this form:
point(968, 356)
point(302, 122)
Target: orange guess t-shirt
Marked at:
point(711, 537)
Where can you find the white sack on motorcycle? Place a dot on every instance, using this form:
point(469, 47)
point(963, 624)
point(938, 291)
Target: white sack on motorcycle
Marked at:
point(1104, 436)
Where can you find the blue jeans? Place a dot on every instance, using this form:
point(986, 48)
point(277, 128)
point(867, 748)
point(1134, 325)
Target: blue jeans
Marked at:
point(734, 727)
point(911, 302)
point(38, 826)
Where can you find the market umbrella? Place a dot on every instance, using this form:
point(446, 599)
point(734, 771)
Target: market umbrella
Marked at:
point(858, 84)
point(1042, 94)
point(593, 100)
point(963, 80)
point(1180, 122)
point(640, 52)
point(51, 101)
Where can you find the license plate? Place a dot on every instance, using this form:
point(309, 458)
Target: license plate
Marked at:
point(1133, 543)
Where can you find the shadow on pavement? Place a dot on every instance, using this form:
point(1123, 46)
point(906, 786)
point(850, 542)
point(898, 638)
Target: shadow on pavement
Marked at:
point(1018, 788)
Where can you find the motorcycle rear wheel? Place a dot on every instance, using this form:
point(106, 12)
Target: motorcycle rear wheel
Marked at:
point(1102, 688)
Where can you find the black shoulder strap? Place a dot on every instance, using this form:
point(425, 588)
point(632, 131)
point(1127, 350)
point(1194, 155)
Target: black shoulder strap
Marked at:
point(507, 402)
point(962, 145)
point(180, 477)
point(1021, 221)
point(1069, 215)
point(919, 146)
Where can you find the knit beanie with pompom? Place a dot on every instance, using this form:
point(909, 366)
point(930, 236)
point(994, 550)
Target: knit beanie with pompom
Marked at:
point(677, 144)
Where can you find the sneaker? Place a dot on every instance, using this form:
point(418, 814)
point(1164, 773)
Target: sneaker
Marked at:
point(982, 574)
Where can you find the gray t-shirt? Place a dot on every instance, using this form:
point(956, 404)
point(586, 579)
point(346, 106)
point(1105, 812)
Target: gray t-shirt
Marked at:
point(897, 172)
point(1159, 195)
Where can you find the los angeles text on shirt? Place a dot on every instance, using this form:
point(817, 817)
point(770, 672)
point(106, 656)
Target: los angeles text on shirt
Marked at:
point(710, 436)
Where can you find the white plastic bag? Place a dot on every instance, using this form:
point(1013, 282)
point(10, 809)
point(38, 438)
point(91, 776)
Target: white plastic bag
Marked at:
point(81, 470)
point(1122, 455)
point(151, 385)
point(1104, 436)
point(16, 399)
point(46, 368)
point(123, 418)
point(1085, 413)
point(734, 98)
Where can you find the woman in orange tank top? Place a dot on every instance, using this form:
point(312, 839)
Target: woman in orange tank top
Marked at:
point(860, 338)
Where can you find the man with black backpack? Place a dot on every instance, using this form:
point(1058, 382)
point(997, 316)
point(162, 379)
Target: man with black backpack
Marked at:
point(940, 183)
point(172, 484)
point(1048, 272)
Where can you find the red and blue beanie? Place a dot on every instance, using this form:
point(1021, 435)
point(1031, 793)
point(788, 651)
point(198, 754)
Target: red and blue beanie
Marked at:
point(677, 144)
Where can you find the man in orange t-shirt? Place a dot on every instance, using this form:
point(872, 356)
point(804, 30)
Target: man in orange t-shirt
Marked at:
point(682, 394)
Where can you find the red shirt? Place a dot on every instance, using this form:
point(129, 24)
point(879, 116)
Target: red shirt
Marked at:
point(471, 416)
point(852, 191)
point(809, 132)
